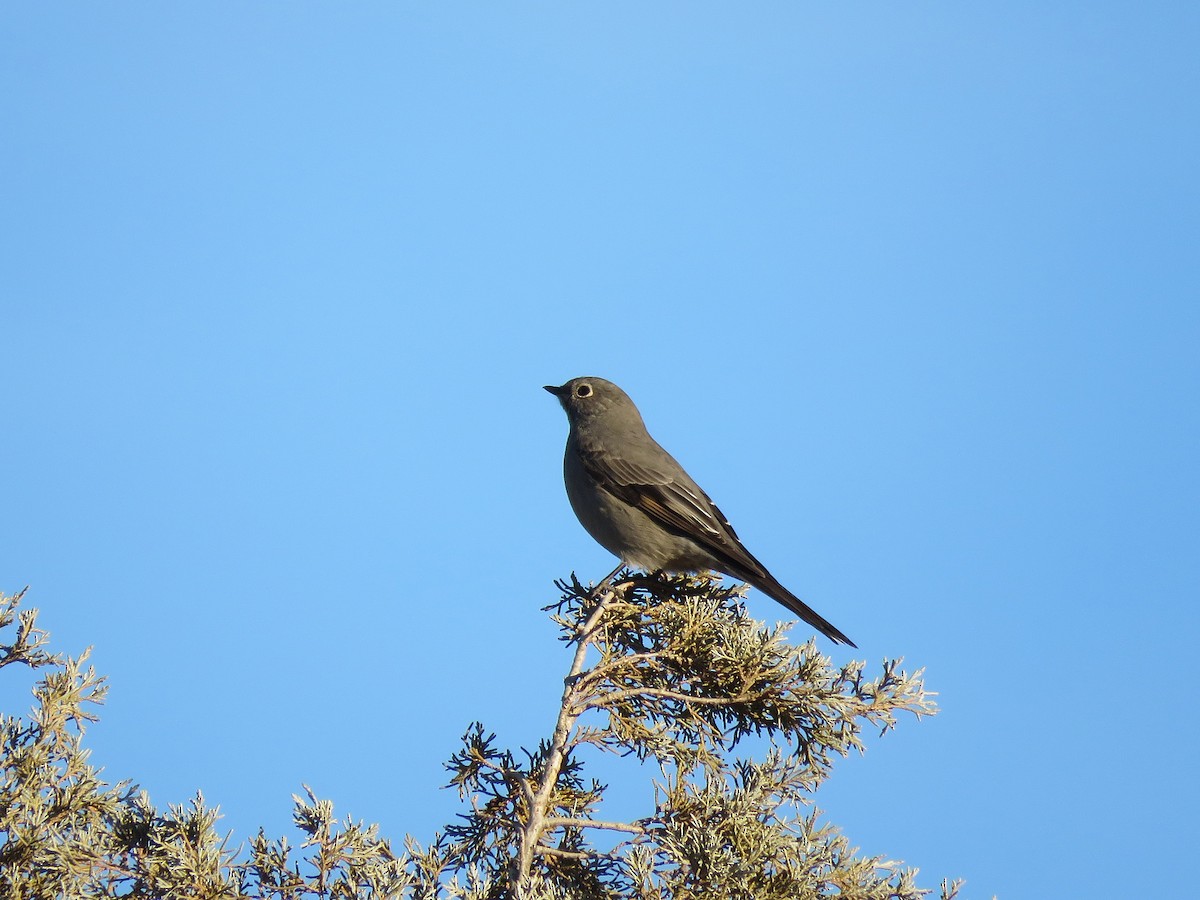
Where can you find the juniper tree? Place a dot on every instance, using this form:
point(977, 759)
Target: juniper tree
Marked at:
point(669, 672)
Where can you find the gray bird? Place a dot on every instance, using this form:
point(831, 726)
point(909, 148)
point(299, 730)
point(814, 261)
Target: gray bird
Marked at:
point(639, 504)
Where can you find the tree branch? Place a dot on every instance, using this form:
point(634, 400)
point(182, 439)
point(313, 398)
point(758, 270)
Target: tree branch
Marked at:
point(568, 714)
point(616, 696)
point(565, 822)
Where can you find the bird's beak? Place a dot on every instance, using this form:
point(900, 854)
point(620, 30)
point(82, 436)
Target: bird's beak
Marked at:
point(556, 391)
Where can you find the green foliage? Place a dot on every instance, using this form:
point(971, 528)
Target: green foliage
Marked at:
point(670, 671)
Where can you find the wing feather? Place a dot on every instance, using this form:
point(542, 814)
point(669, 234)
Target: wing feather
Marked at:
point(678, 505)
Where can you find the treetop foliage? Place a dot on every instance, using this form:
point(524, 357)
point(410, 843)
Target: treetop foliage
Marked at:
point(670, 671)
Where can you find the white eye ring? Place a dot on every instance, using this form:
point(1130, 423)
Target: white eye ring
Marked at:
point(584, 390)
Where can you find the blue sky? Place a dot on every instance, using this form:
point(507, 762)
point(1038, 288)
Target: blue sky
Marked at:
point(911, 289)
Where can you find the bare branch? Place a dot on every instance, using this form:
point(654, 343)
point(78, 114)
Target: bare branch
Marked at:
point(565, 822)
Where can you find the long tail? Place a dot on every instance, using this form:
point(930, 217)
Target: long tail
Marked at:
point(780, 594)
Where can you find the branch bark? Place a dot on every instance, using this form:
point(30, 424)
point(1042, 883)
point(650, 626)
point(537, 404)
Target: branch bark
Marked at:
point(571, 709)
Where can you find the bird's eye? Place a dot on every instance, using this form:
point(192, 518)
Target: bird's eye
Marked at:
point(584, 390)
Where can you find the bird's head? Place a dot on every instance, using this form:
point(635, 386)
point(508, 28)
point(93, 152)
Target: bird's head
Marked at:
point(587, 398)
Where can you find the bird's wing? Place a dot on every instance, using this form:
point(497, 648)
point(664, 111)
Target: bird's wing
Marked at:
point(665, 493)
point(677, 503)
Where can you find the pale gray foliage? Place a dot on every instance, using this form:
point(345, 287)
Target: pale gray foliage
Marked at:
point(671, 671)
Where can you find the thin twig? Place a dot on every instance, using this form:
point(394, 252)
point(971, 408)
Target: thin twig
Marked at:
point(600, 670)
point(565, 822)
point(616, 696)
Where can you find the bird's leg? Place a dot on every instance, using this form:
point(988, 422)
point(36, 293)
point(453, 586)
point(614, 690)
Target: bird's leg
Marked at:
point(611, 575)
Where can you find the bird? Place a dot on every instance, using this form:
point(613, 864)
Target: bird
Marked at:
point(639, 504)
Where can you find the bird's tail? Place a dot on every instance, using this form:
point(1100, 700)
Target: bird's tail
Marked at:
point(776, 591)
